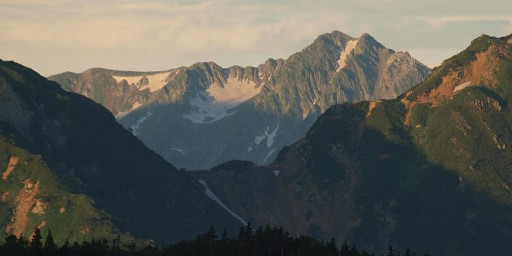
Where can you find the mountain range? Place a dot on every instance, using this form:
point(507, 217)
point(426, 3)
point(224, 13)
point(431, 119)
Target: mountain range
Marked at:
point(200, 116)
point(432, 167)
point(429, 169)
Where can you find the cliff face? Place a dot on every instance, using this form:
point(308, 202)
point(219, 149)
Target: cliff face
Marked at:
point(203, 115)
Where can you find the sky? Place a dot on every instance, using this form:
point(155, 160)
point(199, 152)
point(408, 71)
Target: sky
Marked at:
point(152, 35)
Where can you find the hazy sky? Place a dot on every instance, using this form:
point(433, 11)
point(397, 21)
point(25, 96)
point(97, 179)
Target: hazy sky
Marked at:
point(73, 35)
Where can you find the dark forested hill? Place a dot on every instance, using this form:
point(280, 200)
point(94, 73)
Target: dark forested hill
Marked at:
point(67, 165)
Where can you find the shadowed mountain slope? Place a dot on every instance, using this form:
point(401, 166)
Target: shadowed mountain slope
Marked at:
point(66, 158)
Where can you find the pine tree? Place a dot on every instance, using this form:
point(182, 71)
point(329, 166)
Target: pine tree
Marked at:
point(391, 251)
point(64, 249)
point(116, 244)
point(224, 236)
point(210, 236)
point(408, 252)
point(353, 251)
point(36, 246)
point(22, 242)
point(50, 247)
point(11, 240)
point(365, 253)
point(332, 248)
point(344, 250)
point(11, 246)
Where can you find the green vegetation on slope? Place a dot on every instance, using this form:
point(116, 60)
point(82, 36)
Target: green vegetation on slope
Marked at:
point(456, 62)
point(470, 133)
point(32, 196)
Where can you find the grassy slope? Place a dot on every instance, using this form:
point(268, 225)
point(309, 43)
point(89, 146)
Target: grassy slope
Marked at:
point(69, 215)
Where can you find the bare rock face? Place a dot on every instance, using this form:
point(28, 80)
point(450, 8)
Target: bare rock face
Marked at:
point(13, 109)
point(203, 115)
point(398, 71)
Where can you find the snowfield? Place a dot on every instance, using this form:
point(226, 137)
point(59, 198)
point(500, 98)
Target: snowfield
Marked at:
point(181, 151)
point(270, 137)
point(268, 155)
point(136, 126)
point(234, 91)
point(342, 62)
point(218, 100)
point(212, 196)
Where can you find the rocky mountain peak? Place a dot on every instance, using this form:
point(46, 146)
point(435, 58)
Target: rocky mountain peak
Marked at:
point(335, 37)
point(367, 38)
point(274, 102)
point(368, 45)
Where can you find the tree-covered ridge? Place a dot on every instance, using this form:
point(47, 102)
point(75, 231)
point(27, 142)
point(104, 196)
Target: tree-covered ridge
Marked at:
point(268, 241)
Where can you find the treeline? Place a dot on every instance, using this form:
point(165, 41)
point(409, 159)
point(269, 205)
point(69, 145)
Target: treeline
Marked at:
point(249, 242)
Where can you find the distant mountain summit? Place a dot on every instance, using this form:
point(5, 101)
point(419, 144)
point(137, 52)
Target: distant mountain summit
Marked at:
point(430, 169)
point(203, 115)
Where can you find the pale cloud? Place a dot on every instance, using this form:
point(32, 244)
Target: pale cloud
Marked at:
point(507, 28)
point(188, 27)
point(443, 20)
point(142, 35)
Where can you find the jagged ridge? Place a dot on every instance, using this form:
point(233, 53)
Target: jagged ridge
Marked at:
point(191, 127)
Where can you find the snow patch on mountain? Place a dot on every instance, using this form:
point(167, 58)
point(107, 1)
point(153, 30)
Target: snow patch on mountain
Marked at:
point(136, 126)
point(218, 100)
point(268, 155)
point(349, 47)
point(258, 139)
point(207, 110)
point(234, 91)
point(212, 196)
point(181, 151)
point(154, 82)
point(270, 136)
